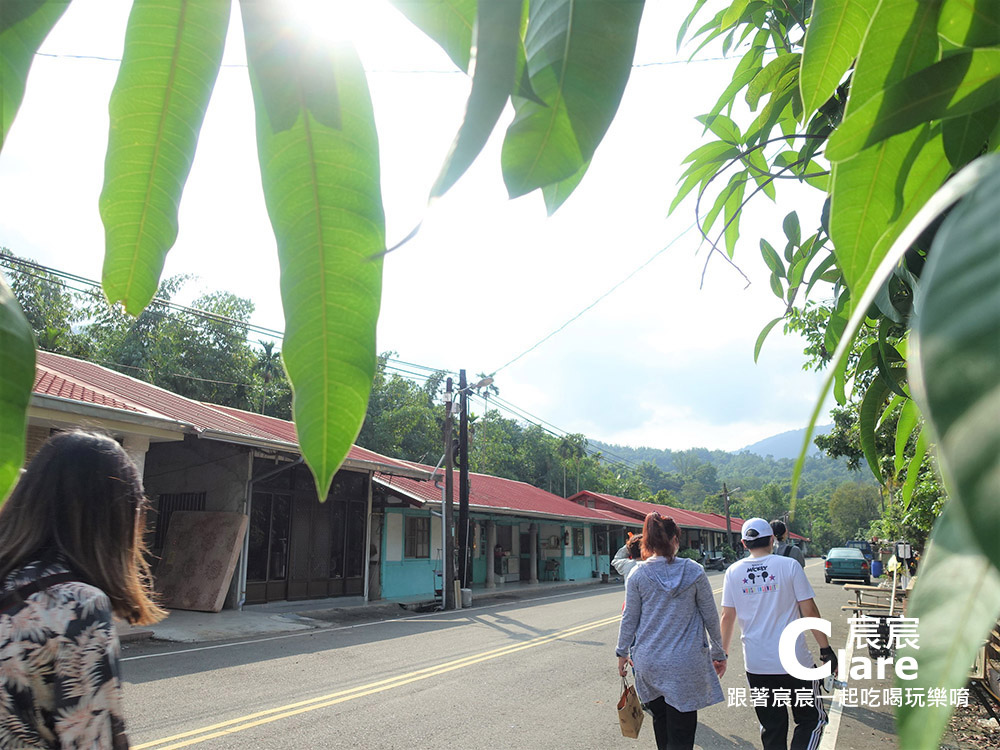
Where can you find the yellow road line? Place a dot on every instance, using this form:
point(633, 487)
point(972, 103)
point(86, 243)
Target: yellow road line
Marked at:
point(249, 721)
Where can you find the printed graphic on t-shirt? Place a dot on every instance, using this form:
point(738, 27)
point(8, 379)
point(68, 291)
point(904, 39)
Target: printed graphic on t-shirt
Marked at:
point(757, 580)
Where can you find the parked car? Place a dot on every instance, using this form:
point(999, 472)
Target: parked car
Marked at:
point(864, 546)
point(849, 563)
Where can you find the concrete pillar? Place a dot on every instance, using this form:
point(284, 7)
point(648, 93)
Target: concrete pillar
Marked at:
point(533, 536)
point(136, 447)
point(491, 542)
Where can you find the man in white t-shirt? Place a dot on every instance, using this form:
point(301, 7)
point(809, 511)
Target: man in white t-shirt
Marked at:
point(766, 593)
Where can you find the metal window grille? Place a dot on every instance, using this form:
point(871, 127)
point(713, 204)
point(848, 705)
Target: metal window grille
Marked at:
point(167, 504)
point(418, 537)
point(578, 545)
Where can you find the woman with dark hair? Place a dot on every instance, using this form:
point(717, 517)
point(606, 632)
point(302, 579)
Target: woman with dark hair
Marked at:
point(71, 556)
point(668, 609)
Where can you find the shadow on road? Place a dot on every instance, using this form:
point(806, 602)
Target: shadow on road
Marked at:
point(150, 661)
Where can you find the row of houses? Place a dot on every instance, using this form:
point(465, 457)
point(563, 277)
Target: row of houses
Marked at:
point(236, 519)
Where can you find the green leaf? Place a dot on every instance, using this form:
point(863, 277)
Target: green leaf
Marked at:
point(723, 126)
point(557, 193)
point(832, 42)
point(16, 379)
point(970, 23)
point(763, 335)
point(871, 408)
point(956, 353)
point(869, 204)
point(687, 22)
point(447, 22)
point(322, 190)
point(498, 42)
point(771, 258)
point(967, 137)
point(579, 57)
point(767, 81)
point(732, 213)
point(957, 600)
point(712, 152)
point(958, 186)
point(822, 268)
point(913, 470)
point(790, 225)
point(956, 86)
point(173, 50)
point(734, 12)
point(24, 24)
point(905, 425)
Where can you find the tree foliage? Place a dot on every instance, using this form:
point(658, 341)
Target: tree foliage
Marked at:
point(889, 110)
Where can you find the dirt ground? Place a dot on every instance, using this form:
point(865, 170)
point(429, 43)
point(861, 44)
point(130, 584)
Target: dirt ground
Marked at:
point(974, 727)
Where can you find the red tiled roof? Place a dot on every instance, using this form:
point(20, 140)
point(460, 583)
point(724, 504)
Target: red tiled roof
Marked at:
point(638, 508)
point(683, 516)
point(50, 383)
point(487, 491)
point(66, 377)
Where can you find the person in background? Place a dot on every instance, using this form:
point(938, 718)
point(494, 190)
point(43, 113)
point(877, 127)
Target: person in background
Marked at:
point(669, 607)
point(766, 593)
point(71, 556)
point(784, 548)
point(628, 556)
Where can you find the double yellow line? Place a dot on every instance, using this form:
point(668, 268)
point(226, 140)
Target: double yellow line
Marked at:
point(194, 736)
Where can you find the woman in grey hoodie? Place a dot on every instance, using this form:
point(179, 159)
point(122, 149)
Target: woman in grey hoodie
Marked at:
point(668, 609)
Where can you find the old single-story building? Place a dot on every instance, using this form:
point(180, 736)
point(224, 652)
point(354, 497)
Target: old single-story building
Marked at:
point(378, 535)
point(699, 530)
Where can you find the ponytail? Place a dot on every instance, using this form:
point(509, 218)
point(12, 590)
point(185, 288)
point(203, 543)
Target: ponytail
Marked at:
point(660, 536)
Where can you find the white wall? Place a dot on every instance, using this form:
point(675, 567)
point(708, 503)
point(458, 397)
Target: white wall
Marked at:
point(393, 551)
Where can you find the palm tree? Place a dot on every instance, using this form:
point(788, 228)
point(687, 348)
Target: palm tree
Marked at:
point(268, 365)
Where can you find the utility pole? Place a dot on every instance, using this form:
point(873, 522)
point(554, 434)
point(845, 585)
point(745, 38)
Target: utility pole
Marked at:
point(729, 522)
point(447, 516)
point(463, 482)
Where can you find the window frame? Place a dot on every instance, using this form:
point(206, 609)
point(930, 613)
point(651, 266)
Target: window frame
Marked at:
point(416, 537)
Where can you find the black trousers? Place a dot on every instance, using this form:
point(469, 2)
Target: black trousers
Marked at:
point(809, 719)
point(674, 730)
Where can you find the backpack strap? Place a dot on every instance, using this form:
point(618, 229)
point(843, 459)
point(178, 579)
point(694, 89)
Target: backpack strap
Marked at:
point(19, 596)
point(787, 551)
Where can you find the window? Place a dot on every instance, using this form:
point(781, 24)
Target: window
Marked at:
point(166, 505)
point(577, 541)
point(418, 537)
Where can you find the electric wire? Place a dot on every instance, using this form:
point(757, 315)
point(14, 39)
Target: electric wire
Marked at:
point(606, 294)
point(411, 370)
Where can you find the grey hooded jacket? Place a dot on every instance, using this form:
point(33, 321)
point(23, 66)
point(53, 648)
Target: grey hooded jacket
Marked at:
point(668, 609)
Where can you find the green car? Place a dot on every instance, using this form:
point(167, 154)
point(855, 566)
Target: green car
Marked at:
point(847, 562)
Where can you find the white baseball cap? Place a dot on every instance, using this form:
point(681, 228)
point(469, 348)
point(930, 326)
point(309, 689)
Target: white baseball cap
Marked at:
point(755, 528)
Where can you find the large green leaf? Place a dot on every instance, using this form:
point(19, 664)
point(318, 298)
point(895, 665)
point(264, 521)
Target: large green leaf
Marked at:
point(867, 195)
point(970, 23)
point(966, 137)
point(16, 378)
point(556, 193)
point(956, 600)
point(579, 56)
point(956, 354)
point(24, 24)
point(869, 413)
point(957, 85)
point(957, 187)
point(321, 187)
point(173, 50)
point(833, 40)
point(498, 42)
point(447, 22)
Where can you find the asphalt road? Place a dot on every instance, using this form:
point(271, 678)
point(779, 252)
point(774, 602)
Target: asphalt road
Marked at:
point(521, 673)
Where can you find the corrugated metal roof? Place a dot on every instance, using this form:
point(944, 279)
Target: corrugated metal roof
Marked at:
point(496, 493)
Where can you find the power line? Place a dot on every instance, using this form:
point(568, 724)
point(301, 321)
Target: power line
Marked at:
point(409, 370)
point(382, 71)
point(653, 257)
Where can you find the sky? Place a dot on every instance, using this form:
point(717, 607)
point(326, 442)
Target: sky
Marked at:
point(662, 361)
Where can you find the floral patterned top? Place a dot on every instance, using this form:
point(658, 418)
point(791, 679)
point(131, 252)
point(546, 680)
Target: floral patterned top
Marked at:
point(59, 685)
